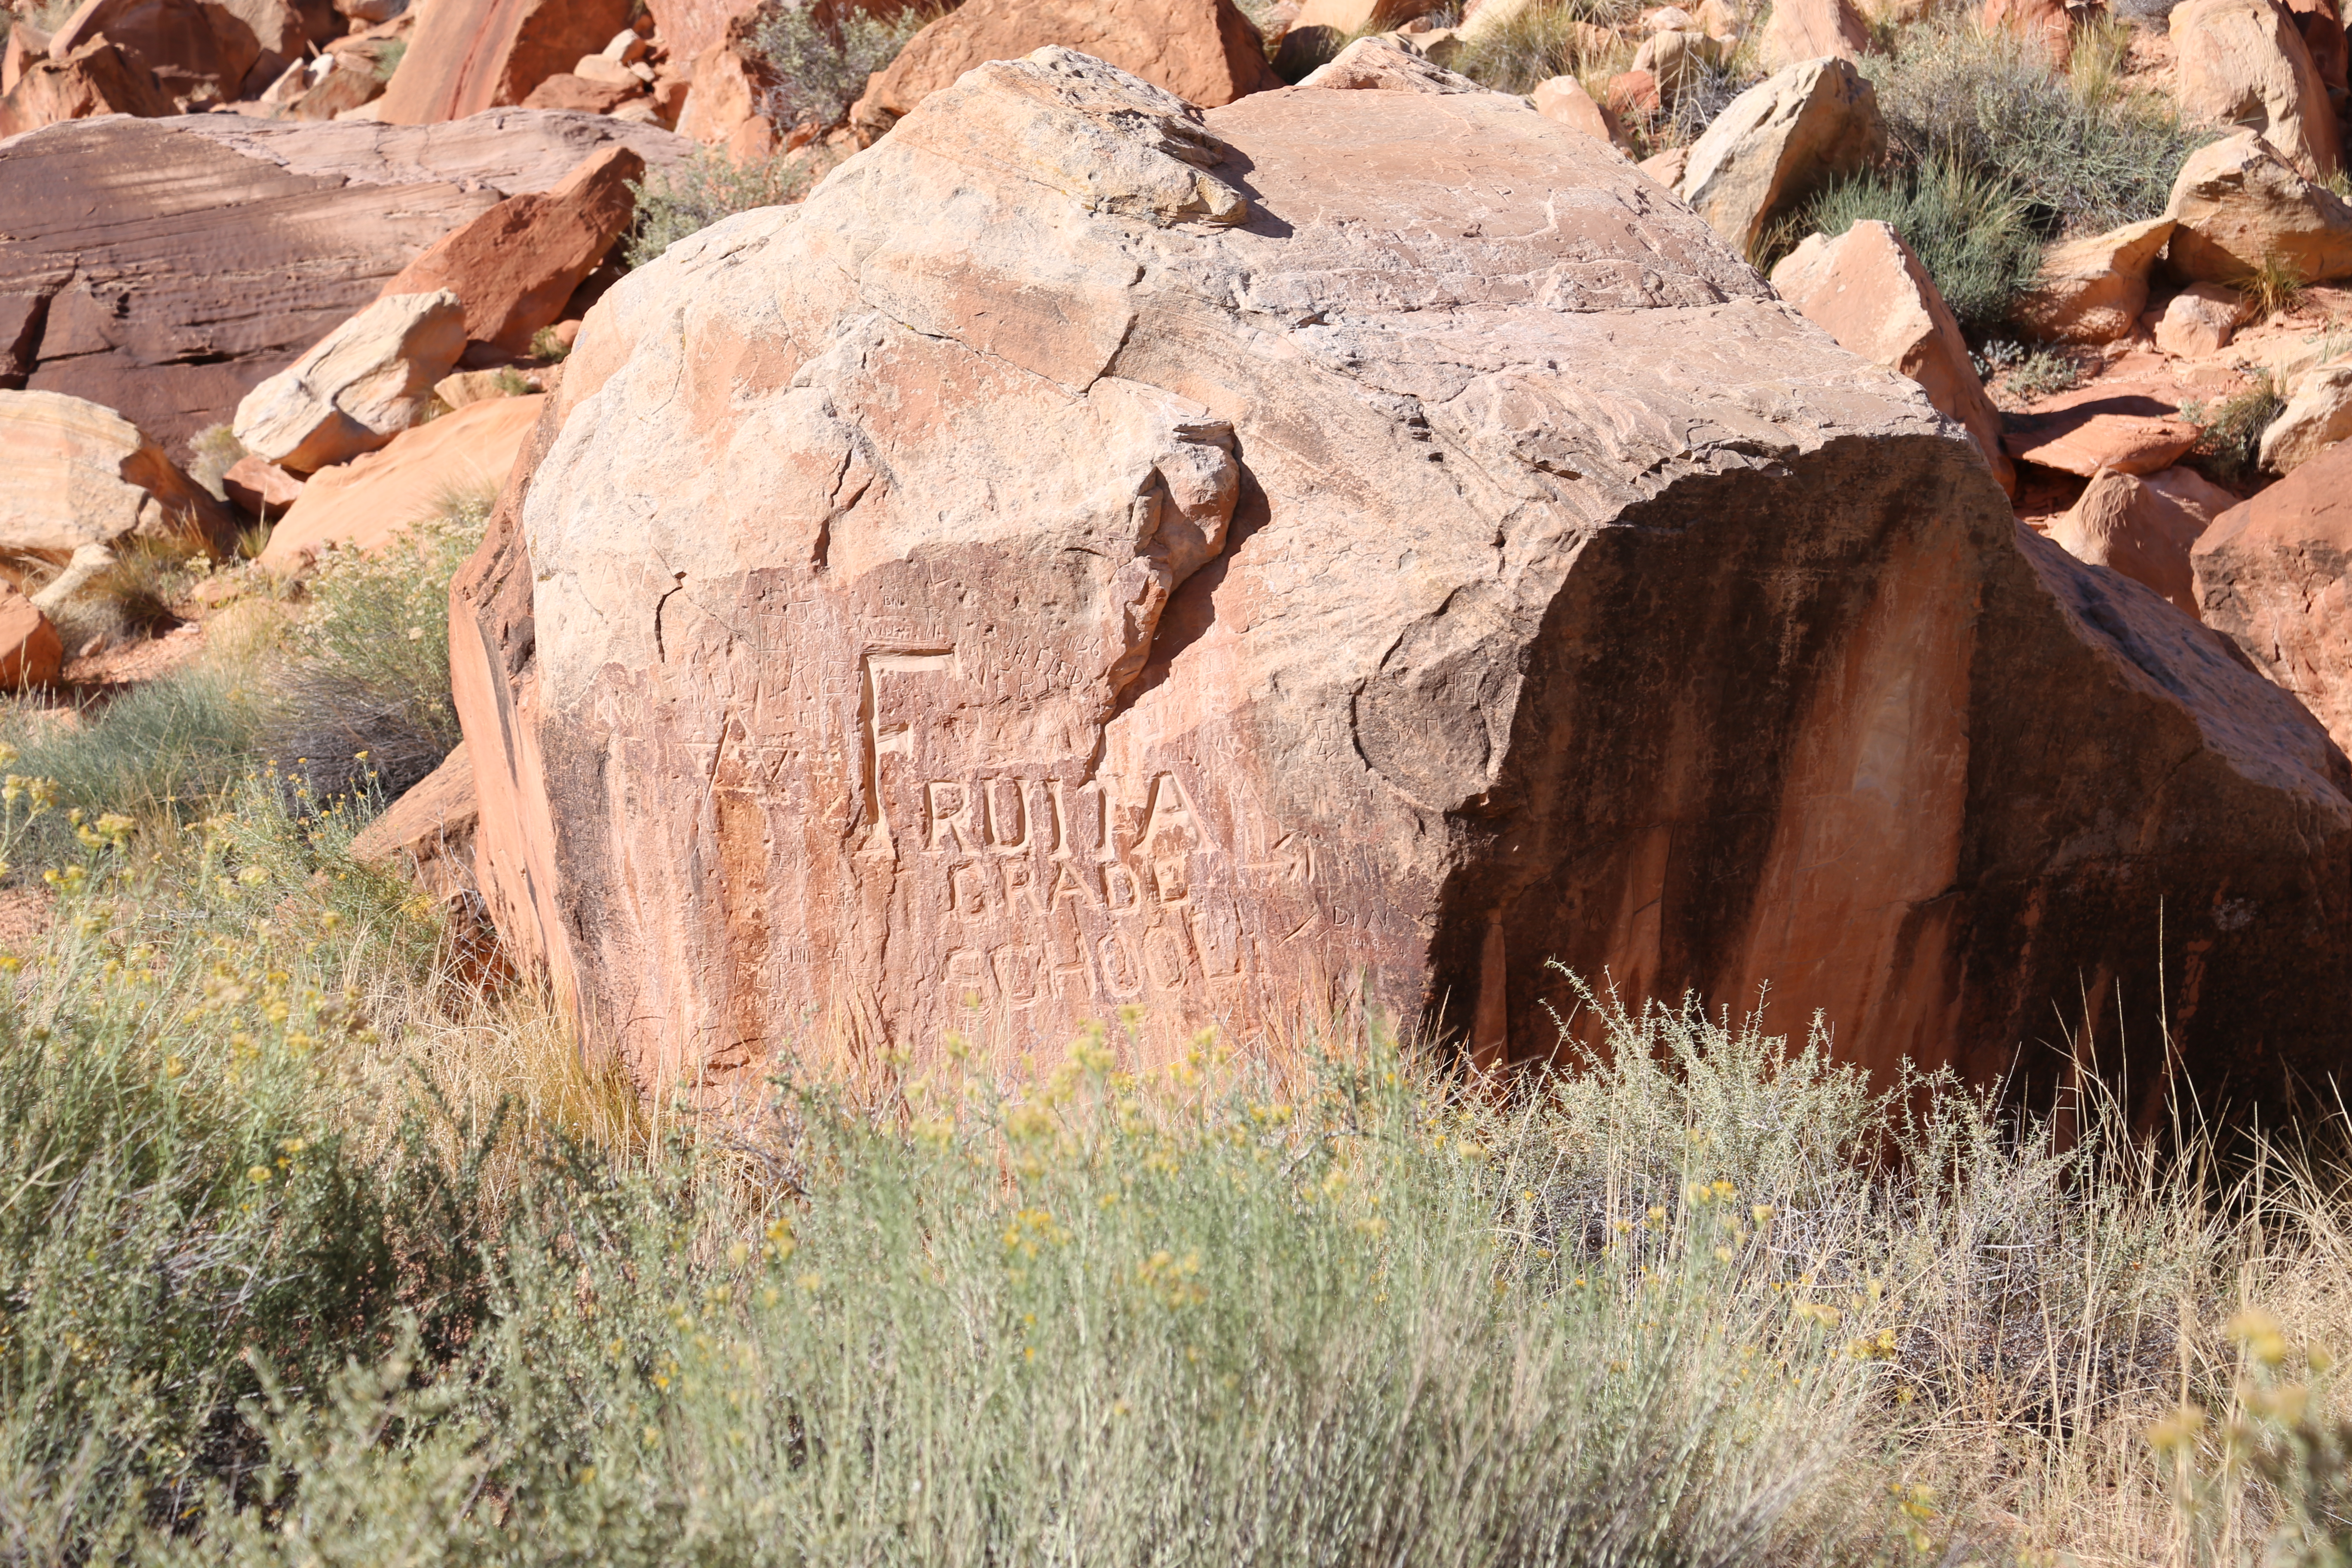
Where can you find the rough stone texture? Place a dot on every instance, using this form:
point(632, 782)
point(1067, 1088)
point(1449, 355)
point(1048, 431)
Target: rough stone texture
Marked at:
point(515, 267)
point(1802, 30)
point(20, 46)
point(363, 503)
point(1205, 51)
point(2317, 415)
point(2322, 28)
point(30, 651)
point(233, 47)
point(2242, 62)
point(77, 474)
point(235, 244)
point(2093, 291)
point(2145, 528)
point(2271, 576)
point(427, 835)
point(722, 106)
point(467, 56)
point(1563, 98)
point(1679, 60)
point(1386, 64)
point(97, 78)
point(2200, 320)
point(358, 387)
point(22, 316)
point(2236, 201)
point(1869, 293)
point(1778, 143)
point(569, 91)
point(1554, 593)
point(261, 486)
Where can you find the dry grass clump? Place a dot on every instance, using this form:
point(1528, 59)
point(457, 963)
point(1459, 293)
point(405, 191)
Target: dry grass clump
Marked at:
point(1542, 41)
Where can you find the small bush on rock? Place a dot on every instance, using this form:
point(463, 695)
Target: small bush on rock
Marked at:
point(819, 68)
point(1970, 229)
point(705, 187)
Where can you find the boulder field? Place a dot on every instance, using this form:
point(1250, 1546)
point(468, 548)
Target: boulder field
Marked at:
point(1344, 548)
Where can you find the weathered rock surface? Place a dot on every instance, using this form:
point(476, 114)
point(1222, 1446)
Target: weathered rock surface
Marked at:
point(97, 78)
point(2200, 320)
point(2236, 202)
point(261, 486)
point(1386, 64)
point(2145, 528)
point(1019, 582)
point(2048, 23)
point(1779, 143)
point(2271, 575)
point(233, 244)
point(1563, 98)
point(30, 651)
point(2098, 427)
point(1205, 51)
point(514, 268)
point(1802, 30)
point(77, 474)
point(1677, 61)
point(469, 55)
point(567, 92)
point(358, 387)
point(231, 47)
point(2242, 62)
point(1869, 293)
point(2317, 415)
point(2093, 291)
point(363, 503)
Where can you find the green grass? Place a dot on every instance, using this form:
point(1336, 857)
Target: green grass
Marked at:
point(1970, 231)
point(2082, 154)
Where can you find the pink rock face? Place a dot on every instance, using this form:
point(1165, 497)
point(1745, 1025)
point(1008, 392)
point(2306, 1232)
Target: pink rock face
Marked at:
point(363, 503)
point(1203, 51)
point(96, 78)
point(1872, 296)
point(1802, 30)
point(471, 55)
point(2243, 63)
point(2145, 528)
point(1349, 547)
point(261, 486)
point(30, 652)
point(1563, 99)
point(515, 267)
point(2271, 575)
point(236, 244)
point(2101, 428)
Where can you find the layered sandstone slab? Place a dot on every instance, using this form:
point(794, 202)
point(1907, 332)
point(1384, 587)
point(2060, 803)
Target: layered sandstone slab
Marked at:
point(76, 474)
point(1350, 546)
point(227, 246)
point(469, 55)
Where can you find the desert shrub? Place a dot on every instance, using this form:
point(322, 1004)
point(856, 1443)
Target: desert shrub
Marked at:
point(2273, 287)
point(361, 700)
point(2009, 368)
point(1540, 41)
point(707, 186)
point(1990, 103)
point(2229, 432)
point(1970, 230)
point(157, 752)
point(818, 67)
point(388, 58)
point(211, 452)
point(547, 347)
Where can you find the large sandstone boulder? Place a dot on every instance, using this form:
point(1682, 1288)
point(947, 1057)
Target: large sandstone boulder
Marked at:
point(515, 267)
point(233, 48)
point(2237, 202)
point(469, 55)
point(1038, 575)
point(1869, 293)
point(1205, 51)
point(362, 504)
point(2271, 575)
point(2092, 291)
point(96, 78)
point(2143, 528)
point(235, 244)
point(1777, 145)
point(2242, 63)
point(77, 474)
point(358, 386)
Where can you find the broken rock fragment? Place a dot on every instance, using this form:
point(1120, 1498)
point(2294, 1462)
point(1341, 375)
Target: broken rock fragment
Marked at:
point(360, 385)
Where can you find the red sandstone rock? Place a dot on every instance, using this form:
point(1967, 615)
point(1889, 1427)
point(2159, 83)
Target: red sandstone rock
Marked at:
point(235, 244)
point(2243, 63)
point(96, 78)
point(77, 474)
point(1033, 576)
point(2100, 427)
point(427, 835)
point(2321, 26)
point(30, 651)
point(363, 503)
point(515, 267)
point(471, 55)
point(261, 486)
point(2271, 575)
point(1633, 94)
point(569, 91)
point(2045, 21)
point(1802, 30)
point(1205, 51)
point(230, 48)
point(1563, 99)
point(2145, 528)
point(23, 45)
